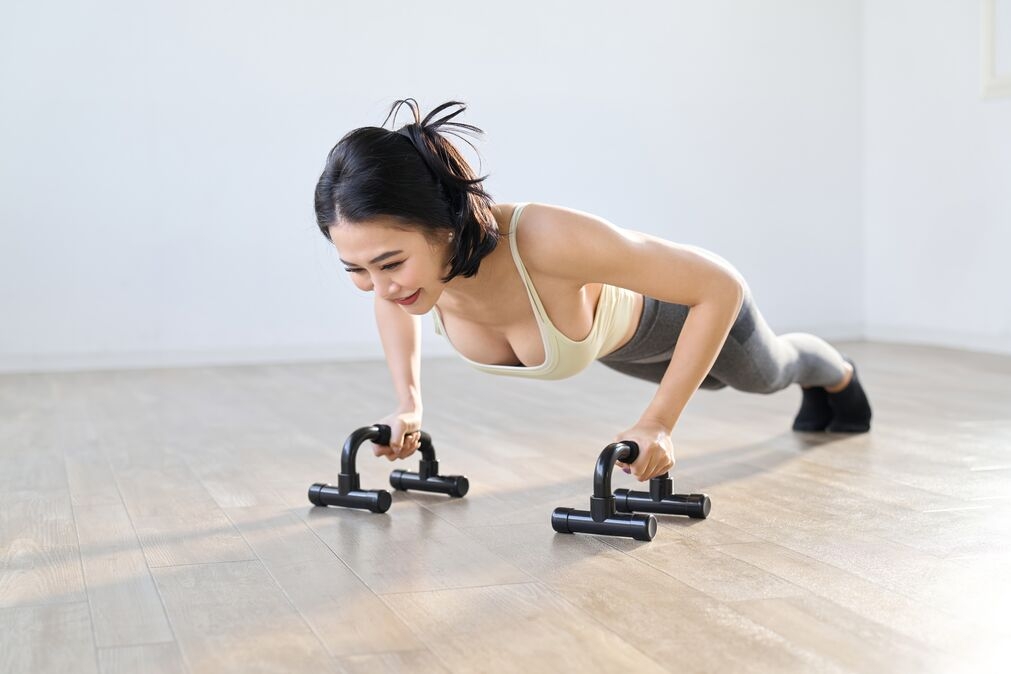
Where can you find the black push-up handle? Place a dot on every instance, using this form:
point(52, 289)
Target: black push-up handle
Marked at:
point(602, 517)
point(427, 478)
point(349, 494)
point(661, 499)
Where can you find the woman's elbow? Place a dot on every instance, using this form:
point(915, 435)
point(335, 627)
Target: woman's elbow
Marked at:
point(735, 293)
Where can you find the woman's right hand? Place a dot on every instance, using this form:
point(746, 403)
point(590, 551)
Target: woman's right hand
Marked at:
point(405, 434)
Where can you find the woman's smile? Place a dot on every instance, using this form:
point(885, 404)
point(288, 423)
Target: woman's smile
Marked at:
point(411, 299)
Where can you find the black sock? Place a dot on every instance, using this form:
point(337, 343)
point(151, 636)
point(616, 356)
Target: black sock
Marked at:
point(815, 413)
point(851, 411)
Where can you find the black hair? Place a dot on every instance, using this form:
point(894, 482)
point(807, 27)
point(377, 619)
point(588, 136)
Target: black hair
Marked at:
point(415, 176)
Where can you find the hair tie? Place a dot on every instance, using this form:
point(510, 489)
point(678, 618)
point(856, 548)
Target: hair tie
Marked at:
point(404, 131)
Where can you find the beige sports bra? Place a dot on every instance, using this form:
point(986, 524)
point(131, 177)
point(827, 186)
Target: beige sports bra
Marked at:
point(563, 357)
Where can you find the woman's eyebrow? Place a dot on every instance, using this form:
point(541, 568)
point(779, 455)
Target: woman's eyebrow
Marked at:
point(378, 258)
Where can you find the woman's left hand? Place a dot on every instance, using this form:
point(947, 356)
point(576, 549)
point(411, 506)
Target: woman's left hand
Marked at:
point(656, 450)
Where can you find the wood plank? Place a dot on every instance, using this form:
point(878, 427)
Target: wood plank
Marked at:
point(842, 637)
point(155, 483)
point(51, 639)
point(162, 658)
point(342, 611)
point(718, 575)
point(910, 617)
point(408, 549)
point(40, 561)
point(397, 662)
point(125, 605)
point(232, 617)
point(89, 478)
point(192, 538)
point(515, 628)
point(618, 591)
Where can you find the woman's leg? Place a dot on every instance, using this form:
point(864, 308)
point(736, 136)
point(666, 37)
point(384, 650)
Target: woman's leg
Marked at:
point(757, 360)
point(648, 353)
point(753, 359)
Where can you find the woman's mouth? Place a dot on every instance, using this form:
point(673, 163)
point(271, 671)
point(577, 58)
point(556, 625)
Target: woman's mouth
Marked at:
point(410, 300)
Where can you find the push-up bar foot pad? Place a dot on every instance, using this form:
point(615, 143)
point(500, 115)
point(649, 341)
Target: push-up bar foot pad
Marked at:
point(661, 499)
point(602, 517)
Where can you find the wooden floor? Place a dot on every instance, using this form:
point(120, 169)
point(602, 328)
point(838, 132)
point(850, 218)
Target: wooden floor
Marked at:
point(157, 521)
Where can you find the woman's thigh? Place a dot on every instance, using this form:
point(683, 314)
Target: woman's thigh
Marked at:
point(752, 358)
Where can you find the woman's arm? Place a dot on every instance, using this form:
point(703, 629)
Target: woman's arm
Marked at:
point(584, 248)
point(702, 337)
point(400, 334)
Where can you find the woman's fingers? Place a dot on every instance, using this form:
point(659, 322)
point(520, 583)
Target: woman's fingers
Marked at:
point(655, 456)
point(406, 447)
point(656, 461)
point(639, 468)
point(393, 451)
point(405, 435)
point(662, 464)
point(647, 471)
point(410, 442)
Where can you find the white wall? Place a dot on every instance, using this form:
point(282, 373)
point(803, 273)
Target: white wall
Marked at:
point(937, 179)
point(159, 158)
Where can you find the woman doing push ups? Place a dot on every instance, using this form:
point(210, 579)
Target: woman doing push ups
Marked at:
point(535, 290)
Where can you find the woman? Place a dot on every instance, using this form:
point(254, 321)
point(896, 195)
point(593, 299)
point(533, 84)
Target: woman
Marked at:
point(541, 291)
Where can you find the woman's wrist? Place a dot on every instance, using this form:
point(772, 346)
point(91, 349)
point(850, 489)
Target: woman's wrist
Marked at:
point(656, 421)
point(409, 398)
point(410, 405)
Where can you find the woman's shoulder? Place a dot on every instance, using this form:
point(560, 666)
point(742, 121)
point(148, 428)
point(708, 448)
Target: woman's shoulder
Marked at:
point(549, 237)
point(533, 220)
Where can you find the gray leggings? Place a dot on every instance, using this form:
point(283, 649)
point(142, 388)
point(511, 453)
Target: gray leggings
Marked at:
point(753, 358)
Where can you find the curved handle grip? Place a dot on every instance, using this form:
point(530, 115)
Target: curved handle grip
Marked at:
point(625, 451)
point(424, 441)
point(379, 434)
point(355, 440)
point(633, 451)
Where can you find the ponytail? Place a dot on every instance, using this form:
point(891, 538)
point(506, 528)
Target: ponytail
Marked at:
point(469, 204)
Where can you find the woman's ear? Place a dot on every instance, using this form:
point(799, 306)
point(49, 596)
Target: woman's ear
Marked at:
point(448, 252)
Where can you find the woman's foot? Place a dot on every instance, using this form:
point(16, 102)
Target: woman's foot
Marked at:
point(851, 411)
point(815, 415)
point(837, 409)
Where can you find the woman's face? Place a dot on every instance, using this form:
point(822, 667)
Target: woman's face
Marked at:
point(397, 264)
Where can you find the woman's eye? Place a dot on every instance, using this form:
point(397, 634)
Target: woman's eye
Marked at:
point(392, 265)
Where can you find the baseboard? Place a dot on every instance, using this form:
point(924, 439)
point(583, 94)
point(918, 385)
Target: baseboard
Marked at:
point(135, 360)
point(994, 344)
point(839, 332)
